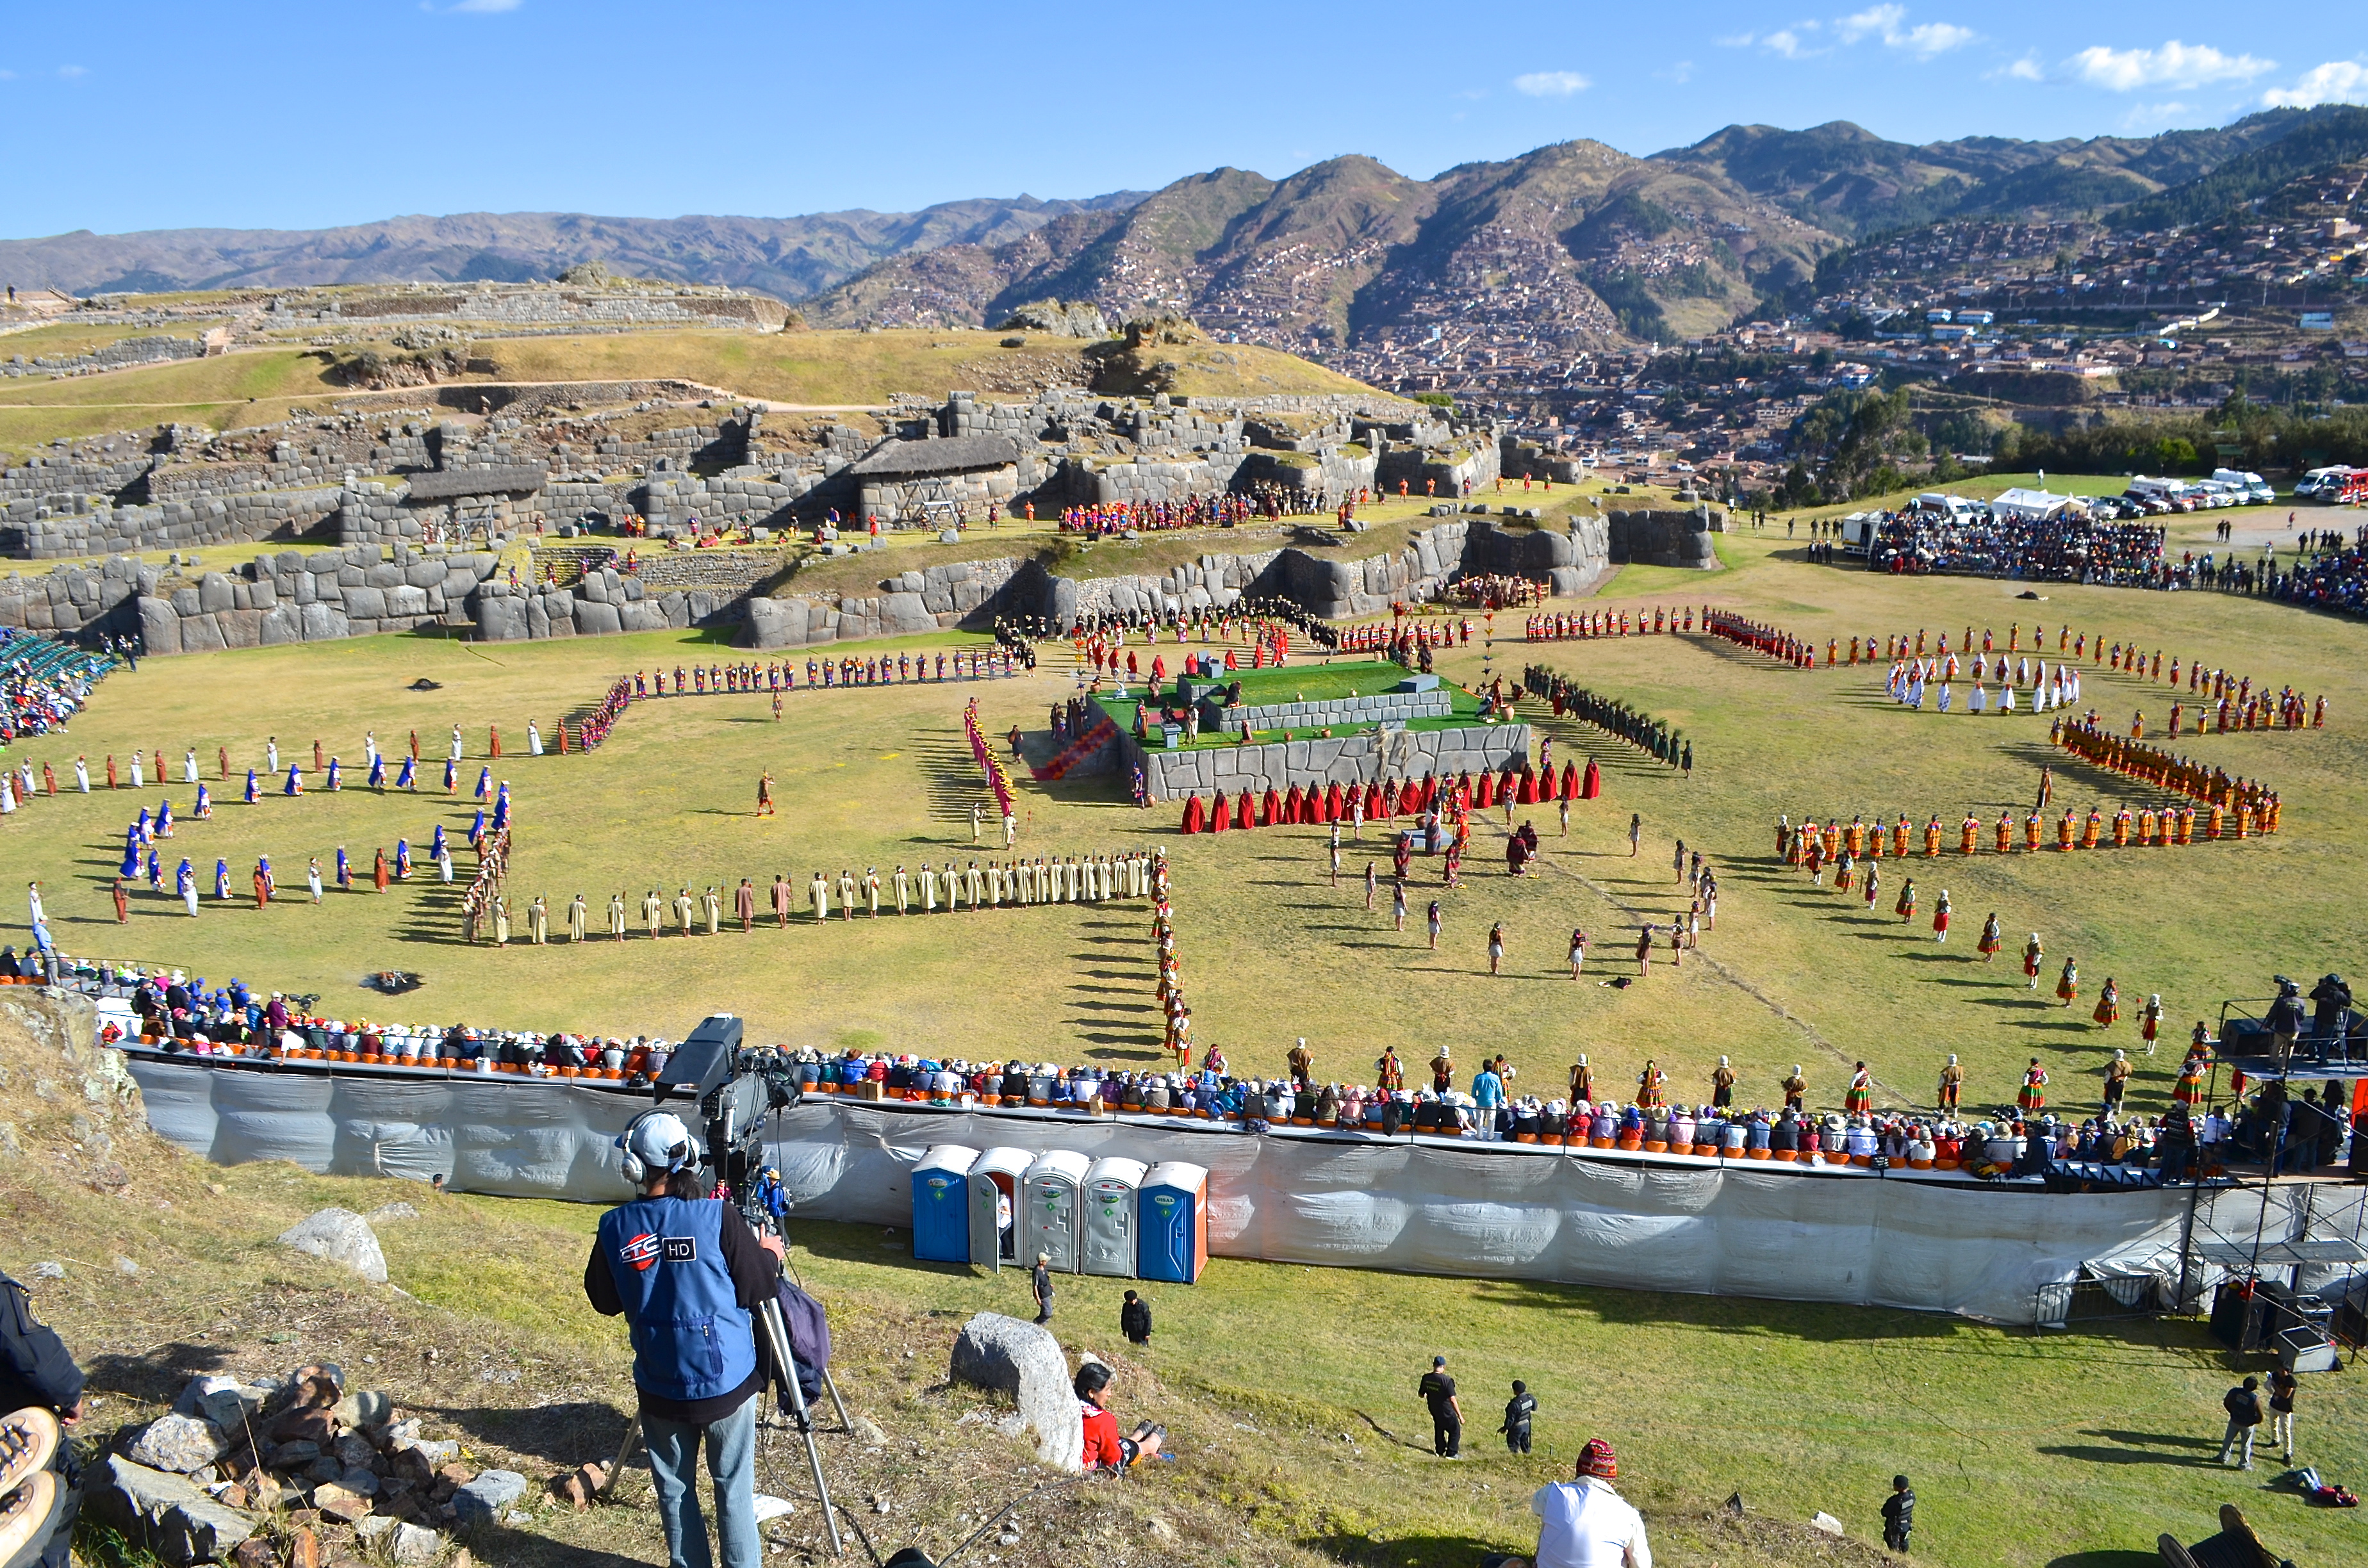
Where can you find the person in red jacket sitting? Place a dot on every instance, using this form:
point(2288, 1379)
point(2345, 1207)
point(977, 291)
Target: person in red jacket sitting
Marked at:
point(1105, 1449)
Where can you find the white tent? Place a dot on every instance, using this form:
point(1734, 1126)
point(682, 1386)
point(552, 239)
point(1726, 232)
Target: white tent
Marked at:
point(2031, 505)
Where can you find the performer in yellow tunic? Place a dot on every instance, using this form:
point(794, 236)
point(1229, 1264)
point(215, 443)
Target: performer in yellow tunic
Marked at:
point(2005, 833)
point(2093, 829)
point(1899, 836)
point(1932, 838)
point(2030, 833)
point(1969, 834)
point(2064, 831)
point(2121, 828)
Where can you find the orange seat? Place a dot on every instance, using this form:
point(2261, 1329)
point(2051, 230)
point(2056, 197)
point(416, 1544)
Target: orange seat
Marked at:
point(1760, 1154)
point(1945, 1165)
point(1656, 1146)
point(566, 1071)
point(1599, 1142)
point(616, 1073)
point(1302, 1122)
point(1786, 1156)
point(1705, 1151)
point(1919, 1164)
point(1861, 1159)
point(1525, 1137)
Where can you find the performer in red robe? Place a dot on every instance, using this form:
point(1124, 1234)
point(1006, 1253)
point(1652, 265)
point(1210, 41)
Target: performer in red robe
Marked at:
point(1593, 786)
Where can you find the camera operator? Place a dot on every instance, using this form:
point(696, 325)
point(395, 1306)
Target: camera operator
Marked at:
point(686, 1270)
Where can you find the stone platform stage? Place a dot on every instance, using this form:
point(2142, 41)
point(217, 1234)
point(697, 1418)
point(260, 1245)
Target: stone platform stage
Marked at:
point(1387, 753)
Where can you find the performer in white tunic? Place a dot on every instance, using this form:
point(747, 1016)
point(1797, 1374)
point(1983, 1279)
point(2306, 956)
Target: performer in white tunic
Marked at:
point(533, 739)
point(902, 886)
point(82, 774)
point(818, 895)
point(456, 744)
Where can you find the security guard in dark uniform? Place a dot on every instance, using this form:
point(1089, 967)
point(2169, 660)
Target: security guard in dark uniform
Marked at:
point(37, 1374)
point(686, 1270)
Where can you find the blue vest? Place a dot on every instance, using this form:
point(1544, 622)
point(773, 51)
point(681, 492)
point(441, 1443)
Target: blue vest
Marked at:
point(691, 1338)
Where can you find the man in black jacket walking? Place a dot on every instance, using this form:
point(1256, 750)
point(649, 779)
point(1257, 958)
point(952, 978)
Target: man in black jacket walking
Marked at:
point(2244, 1407)
point(1438, 1391)
point(36, 1372)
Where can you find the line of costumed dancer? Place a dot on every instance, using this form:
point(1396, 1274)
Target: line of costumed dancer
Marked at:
point(997, 779)
point(1760, 638)
point(1567, 627)
point(1402, 635)
point(2256, 806)
point(1652, 736)
point(1858, 842)
point(879, 669)
point(2234, 704)
point(1382, 801)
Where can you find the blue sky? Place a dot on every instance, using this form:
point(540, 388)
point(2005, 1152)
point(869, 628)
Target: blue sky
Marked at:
point(302, 116)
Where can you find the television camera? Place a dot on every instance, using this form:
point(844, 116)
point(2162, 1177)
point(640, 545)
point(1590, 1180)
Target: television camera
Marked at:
point(736, 1087)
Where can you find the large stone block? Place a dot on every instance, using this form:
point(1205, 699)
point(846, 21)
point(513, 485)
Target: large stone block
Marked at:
point(405, 601)
point(278, 625)
point(501, 619)
point(323, 622)
point(241, 628)
point(200, 634)
point(596, 620)
point(365, 603)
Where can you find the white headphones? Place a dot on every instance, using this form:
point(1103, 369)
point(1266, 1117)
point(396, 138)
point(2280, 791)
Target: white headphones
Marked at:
point(656, 1140)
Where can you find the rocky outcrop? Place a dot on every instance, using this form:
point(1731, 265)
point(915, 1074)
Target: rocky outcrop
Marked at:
point(1007, 1356)
point(1662, 537)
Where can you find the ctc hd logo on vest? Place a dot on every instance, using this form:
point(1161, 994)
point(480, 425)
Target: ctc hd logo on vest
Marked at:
point(648, 1247)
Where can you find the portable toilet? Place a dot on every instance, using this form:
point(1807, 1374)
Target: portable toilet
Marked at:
point(1109, 1203)
point(1048, 1207)
point(994, 1205)
point(941, 1204)
point(1172, 1210)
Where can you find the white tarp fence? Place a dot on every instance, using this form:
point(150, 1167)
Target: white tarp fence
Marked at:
point(1501, 1212)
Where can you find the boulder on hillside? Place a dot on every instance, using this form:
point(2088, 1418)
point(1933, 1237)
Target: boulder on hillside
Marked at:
point(1025, 1361)
point(341, 1236)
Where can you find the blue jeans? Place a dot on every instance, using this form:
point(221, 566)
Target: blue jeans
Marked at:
point(731, 1461)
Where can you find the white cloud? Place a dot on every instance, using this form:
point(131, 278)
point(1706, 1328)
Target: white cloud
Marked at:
point(487, 7)
point(2175, 64)
point(1889, 23)
point(71, 72)
point(2337, 82)
point(2153, 117)
point(1873, 19)
point(1681, 73)
point(1734, 41)
point(2026, 68)
point(1787, 42)
point(1551, 84)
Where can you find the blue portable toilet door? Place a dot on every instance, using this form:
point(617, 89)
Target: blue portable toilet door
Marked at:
point(942, 1216)
point(1167, 1236)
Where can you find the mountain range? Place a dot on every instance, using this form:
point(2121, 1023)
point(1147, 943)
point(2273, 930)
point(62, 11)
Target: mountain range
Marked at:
point(1574, 244)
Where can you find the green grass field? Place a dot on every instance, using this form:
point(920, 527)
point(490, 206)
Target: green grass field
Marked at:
point(876, 777)
point(2068, 1451)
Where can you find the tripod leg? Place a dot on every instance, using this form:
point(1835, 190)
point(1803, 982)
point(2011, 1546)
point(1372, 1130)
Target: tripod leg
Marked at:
point(845, 1422)
point(778, 1340)
point(624, 1451)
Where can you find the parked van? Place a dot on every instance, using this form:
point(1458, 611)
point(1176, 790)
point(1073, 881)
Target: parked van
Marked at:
point(2254, 488)
point(1858, 532)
